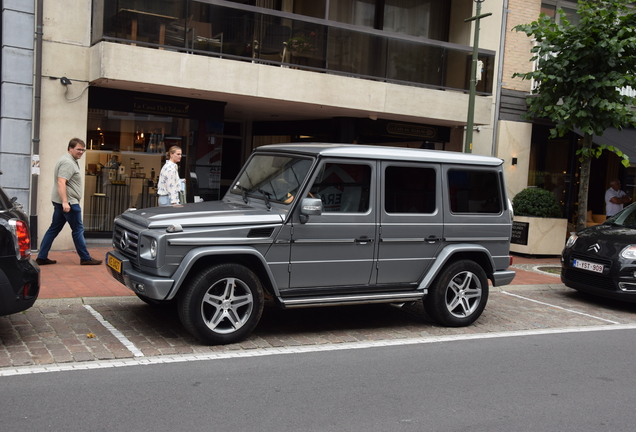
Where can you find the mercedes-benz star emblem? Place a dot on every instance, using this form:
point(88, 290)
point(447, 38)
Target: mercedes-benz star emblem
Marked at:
point(124, 240)
point(595, 247)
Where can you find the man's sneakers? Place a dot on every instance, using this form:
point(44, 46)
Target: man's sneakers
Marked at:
point(91, 261)
point(44, 261)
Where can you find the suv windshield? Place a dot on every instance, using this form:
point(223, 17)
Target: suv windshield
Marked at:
point(273, 178)
point(626, 217)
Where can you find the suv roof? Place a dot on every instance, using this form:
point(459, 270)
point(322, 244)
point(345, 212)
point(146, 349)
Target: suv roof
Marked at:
point(379, 152)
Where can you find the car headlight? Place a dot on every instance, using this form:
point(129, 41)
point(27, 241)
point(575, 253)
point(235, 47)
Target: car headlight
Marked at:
point(153, 248)
point(571, 241)
point(629, 252)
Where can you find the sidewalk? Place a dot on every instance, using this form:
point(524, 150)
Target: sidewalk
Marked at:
point(68, 279)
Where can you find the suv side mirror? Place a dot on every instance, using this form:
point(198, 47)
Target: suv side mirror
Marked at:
point(310, 206)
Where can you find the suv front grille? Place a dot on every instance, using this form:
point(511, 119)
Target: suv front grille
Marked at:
point(127, 242)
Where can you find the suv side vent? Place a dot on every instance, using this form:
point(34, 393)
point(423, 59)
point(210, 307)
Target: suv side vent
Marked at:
point(260, 232)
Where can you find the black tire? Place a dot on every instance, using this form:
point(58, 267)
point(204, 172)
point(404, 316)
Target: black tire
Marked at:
point(458, 295)
point(222, 304)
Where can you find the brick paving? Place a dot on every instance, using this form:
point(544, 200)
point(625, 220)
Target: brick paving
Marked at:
point(60, 328)
point(68, 279)
point(63, 331)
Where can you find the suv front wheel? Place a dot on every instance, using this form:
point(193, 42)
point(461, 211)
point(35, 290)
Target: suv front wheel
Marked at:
point(222, 304)
point(459, 294)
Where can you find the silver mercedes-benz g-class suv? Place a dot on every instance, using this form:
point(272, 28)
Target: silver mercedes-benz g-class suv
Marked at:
point(321, 225)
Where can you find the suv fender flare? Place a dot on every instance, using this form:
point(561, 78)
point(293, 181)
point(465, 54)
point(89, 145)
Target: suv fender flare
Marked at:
point(196, 254)
point(446, 254)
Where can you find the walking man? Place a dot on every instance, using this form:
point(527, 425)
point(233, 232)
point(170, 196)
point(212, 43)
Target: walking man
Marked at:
point(66, 196)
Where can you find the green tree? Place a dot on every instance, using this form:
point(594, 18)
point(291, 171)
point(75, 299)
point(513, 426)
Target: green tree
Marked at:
point(580, 70)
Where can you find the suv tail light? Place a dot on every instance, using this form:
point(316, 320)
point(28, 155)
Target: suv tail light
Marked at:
point(23, 238)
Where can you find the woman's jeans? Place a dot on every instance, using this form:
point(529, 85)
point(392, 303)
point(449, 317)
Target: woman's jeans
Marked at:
point(74, 219)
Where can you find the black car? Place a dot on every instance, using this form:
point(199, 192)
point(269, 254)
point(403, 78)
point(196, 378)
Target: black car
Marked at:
point(19, 274)
point(601, 259)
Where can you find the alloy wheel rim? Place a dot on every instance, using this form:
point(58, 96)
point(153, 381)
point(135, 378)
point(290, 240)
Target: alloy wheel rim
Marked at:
point(463, 294)
point(227, 305)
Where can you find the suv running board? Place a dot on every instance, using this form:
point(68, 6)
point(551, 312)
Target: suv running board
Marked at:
point(349, 299)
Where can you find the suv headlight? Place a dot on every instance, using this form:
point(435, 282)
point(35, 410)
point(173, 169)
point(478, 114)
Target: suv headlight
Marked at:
point(571, 241)
point(629, 252)
point(153, 248)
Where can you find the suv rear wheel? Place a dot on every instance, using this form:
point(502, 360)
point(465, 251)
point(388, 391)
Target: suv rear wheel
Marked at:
point(459, 294)
point(222, 304)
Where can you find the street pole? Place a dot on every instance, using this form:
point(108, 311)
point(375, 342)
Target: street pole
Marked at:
point(468, 147)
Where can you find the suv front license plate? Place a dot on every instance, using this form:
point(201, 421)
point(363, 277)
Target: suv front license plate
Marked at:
point(114, 263)
point(586, 265)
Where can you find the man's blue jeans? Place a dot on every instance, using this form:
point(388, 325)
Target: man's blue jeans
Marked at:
point(74, 219)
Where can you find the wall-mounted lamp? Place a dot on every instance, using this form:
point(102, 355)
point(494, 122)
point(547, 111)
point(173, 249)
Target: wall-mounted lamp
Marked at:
point(65, 81)
point(514, 161)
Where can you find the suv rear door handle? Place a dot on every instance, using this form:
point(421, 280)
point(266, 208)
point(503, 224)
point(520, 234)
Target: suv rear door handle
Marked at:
point(432, 239)
point(364, 240)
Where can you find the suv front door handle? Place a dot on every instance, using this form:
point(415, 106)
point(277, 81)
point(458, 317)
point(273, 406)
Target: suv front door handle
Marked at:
point(364, 240)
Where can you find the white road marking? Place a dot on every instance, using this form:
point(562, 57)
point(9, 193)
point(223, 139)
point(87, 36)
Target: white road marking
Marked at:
point(298, 350)
point(123, 339)
point(559, 307)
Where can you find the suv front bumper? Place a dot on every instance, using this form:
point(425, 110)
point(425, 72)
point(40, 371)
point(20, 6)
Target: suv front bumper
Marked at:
point(154, 287)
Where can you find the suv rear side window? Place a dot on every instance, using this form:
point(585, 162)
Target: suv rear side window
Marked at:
point(409, 190)
point(473, 191)
point(343, 188)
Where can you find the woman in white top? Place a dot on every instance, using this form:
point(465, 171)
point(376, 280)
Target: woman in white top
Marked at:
point(169, 184)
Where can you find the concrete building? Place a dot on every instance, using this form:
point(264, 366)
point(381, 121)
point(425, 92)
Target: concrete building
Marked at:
point(219, 78)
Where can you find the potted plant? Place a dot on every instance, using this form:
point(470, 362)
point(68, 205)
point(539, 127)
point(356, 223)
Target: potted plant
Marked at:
point(302, 45)
point(538, 227)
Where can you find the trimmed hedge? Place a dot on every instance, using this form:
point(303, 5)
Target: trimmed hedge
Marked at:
point(536, 202)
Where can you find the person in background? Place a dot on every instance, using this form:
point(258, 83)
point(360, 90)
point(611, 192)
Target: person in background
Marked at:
point(615, 198)
point(66, 196)
point(169, 184)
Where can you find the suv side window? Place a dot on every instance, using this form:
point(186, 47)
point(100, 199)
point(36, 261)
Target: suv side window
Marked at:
point(343, 188)
point(409, 190)
point(474, 191)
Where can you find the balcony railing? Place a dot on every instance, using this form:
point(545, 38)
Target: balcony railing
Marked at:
point(245, 33)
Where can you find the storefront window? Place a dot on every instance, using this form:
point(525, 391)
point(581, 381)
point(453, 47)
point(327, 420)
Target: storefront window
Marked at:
point(127, 140)
point(125, 154)
point(549, 166)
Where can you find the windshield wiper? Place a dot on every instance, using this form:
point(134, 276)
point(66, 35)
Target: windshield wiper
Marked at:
point(266, 196)
point(243, 190)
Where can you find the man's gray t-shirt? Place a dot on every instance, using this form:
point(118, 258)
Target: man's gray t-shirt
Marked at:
point(67, 167)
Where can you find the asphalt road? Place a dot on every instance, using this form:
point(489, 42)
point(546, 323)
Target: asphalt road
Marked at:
point(579, 381)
